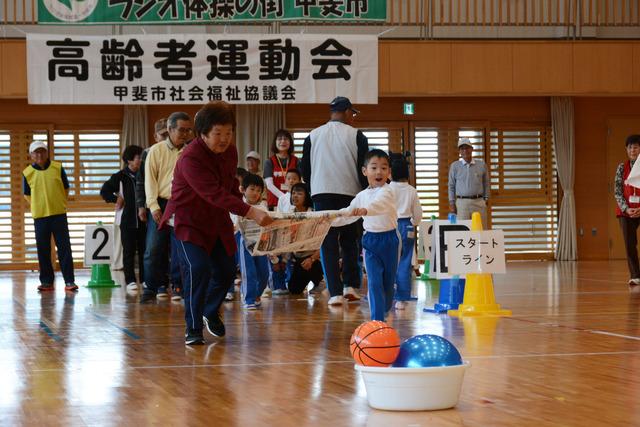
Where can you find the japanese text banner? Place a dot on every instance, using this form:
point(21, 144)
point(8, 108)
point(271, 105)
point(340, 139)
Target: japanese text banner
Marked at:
point(197, 68)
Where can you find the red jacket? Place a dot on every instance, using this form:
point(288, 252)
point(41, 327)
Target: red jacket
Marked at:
point(204, 191)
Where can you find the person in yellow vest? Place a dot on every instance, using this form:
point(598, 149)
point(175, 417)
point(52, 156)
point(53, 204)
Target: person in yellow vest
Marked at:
point(45, 186)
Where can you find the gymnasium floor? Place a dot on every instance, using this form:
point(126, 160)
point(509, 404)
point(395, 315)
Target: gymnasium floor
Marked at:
point(569, 356)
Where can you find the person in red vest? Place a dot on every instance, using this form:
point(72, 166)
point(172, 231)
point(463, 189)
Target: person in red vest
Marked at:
point(628, 208)
point(276, 166)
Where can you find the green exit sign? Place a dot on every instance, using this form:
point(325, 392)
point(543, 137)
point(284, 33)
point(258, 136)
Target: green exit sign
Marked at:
point(408, 108)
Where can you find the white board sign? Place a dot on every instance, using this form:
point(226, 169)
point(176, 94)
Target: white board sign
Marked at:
point(424, 239)
point(439, 266)
point(98, 244)
point(476, 252)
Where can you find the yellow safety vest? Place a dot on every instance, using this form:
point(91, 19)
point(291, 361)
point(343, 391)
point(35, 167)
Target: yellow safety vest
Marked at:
point(48, 195)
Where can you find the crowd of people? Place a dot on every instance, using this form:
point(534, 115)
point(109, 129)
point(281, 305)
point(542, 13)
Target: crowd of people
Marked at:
point(178, 205)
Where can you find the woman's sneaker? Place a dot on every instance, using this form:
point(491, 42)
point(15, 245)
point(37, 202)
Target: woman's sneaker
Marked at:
point(351, 294)
point(266, 293)
point(133, 286)
point(176, 295)
point(193, 337)
point(71, 287)
point(280, 292)
point(44, 287)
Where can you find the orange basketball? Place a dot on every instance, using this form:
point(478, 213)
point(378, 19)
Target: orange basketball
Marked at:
point(375, 343)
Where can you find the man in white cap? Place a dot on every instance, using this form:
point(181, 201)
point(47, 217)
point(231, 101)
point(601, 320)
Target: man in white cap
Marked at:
point(45, 186)
point(469, 184)
point(253, 162)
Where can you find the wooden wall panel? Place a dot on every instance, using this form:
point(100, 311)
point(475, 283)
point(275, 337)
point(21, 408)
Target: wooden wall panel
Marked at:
point(603, 68)
point(636, 67)
point(416, 67)
point(13, 69)
point(481, 68)
point(542, 68)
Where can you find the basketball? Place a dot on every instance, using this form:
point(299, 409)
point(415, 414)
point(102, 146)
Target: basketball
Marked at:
point(375, 343)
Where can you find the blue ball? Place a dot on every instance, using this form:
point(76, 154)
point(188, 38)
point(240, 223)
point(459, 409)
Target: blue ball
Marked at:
point(424, 351)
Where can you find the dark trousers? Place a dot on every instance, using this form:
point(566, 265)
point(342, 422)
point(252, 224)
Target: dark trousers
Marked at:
point(340, 240)
point(629, 228)
point(44, 228)
point(206, 277)
point(157, 263)
point(133, 240)
point(300, 277)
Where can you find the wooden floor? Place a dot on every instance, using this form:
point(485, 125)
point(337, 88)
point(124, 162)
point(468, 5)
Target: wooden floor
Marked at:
point(569, 356)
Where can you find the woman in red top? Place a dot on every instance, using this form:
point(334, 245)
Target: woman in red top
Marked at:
point(203, 192)
point(628, 208)
point(275, 167)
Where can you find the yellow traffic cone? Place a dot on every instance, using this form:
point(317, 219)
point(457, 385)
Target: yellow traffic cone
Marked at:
point(479, 298)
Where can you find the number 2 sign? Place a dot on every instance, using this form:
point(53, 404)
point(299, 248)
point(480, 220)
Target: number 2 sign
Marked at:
point(98, 244)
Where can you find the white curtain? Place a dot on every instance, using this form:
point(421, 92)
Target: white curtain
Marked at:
point(564, 142)
point(256, 127)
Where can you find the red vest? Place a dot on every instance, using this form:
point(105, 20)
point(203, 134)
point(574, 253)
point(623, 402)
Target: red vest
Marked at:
point(628, 191)
point(279, 175)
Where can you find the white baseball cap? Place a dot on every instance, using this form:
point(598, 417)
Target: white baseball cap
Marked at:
point(464, 141)
point(37, 144)
point(253, 155)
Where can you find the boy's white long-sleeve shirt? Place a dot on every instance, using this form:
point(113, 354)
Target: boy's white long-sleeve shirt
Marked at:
point(407, 201)
point(235, 218)
point(284, 203)
point(380, 203)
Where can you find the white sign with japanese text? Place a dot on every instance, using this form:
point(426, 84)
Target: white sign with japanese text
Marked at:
point(439, 258)
point(476, 252)
point(198, 68)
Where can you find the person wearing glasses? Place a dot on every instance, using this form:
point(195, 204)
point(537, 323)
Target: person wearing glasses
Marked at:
point(332, 160)
point(158, 174)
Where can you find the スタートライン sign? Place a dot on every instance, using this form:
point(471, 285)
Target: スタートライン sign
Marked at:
point(197, 68)
point(476, 252)
point(99, 12)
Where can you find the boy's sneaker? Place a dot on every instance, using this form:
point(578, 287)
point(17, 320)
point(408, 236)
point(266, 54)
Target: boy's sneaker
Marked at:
point(147, 296)
point(46, 287)
point(258, 302)
point(193, 337)
point(252, 306)
point(634, 282)
point(214, 325)
point(266, 293)
point(133, 286)
point(351, 294)
point(280, 292)
point(71, 287)
point(162, 292)
point(337, 300)
point(401, 305)
point(229, 297)
point(176, 295)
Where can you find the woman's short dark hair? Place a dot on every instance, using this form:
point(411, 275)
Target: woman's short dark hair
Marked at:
point(131, 152)
point(212, 114)
point(632, 139)
point(301, 186)
point(285, 133)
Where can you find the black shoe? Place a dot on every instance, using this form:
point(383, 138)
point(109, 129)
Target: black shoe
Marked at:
point(147, 297)
point(193, 337)
point(214, 325)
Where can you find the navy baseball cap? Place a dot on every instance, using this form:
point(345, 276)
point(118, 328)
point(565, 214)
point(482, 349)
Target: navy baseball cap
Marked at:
point(340, 103)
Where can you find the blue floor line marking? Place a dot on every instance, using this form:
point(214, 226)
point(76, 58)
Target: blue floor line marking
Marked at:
point(125, 330)
point(49, 332)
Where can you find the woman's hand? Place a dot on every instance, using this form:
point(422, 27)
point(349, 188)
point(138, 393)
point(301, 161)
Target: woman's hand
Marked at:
point(258, 215)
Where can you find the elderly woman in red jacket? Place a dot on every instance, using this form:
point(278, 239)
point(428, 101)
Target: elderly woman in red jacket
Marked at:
point(204, 192)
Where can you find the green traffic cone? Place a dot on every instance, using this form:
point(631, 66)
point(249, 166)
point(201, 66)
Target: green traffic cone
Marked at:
point(101, 277)
point(425, 272)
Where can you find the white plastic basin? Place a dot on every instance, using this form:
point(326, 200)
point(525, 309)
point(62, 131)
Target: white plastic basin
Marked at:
point(413, 389)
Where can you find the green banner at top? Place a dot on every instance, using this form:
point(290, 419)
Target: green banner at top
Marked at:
point(98, 12)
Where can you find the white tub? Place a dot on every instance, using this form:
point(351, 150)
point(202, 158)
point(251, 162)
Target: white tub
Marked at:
point(413, 389)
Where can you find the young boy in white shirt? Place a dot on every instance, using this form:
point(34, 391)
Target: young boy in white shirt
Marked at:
point(377, 204)
point(254, 269)
point(291, 178)
point(409, 217)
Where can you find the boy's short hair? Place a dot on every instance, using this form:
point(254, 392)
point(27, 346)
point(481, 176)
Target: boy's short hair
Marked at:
point(212, 114)
point(632, 139)
point(252, 179)
point(294, 170)
point(300, 186)
point(241, 172)
point(131, 152)
point(376, 152)
point(399, 169)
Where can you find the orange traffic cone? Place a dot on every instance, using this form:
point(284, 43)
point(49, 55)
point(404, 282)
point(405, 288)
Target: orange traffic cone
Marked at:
point(479, 298)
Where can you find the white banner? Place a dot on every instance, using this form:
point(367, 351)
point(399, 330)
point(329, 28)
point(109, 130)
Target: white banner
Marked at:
point(476, 252)
point(197, 68)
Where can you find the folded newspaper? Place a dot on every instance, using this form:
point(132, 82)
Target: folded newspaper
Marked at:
point(291, 232)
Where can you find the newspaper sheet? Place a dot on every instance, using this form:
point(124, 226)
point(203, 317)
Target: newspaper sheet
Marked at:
point(291, 232)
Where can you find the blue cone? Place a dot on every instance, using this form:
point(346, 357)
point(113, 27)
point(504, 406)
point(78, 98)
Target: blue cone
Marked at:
point(451, 293)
